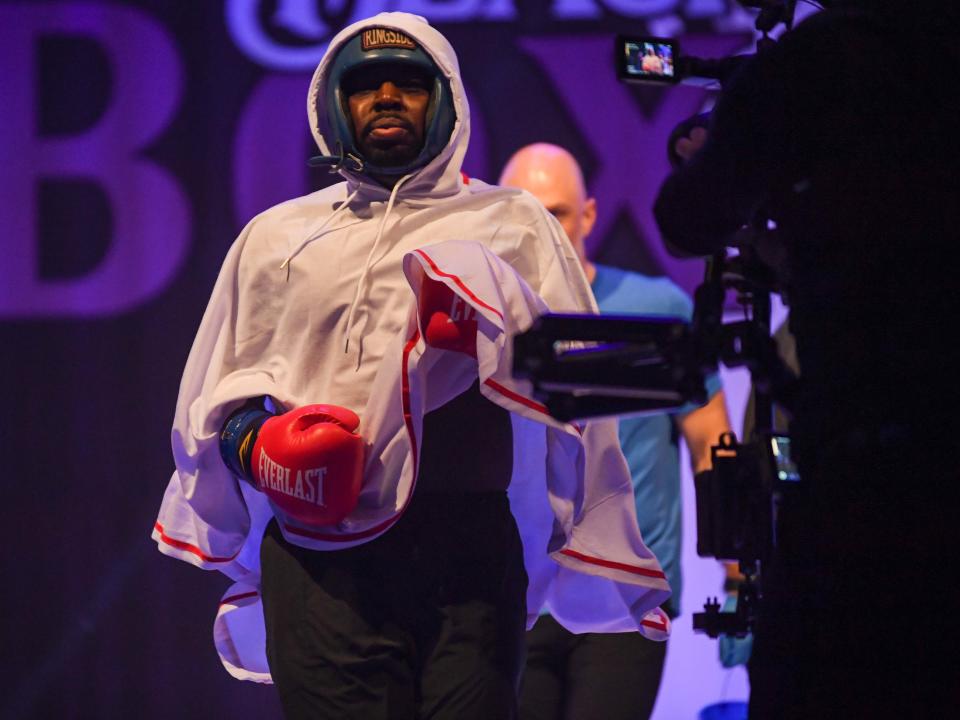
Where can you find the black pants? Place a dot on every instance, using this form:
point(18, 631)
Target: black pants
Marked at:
point(426, 621)
point(613, 676)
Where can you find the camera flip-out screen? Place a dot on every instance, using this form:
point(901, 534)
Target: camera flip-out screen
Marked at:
point(647, 59)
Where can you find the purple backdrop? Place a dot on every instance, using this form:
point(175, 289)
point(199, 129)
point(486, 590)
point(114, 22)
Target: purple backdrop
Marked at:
point(136, 138)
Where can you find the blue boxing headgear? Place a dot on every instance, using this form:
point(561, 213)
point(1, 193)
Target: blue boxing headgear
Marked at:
point(374, 46)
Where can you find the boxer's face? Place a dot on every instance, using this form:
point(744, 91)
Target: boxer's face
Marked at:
point(388, 109)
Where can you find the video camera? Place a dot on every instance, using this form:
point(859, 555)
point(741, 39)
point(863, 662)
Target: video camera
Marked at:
point(588, 366)
point(585, 366)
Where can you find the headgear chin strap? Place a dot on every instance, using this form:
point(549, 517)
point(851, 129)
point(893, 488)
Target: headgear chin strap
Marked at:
point(382, 46)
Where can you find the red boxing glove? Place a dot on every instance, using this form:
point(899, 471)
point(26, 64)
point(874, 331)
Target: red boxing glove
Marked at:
point(447, 321)
point(309, 462)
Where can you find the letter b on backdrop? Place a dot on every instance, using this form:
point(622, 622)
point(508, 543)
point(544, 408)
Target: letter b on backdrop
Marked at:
point(146, 234)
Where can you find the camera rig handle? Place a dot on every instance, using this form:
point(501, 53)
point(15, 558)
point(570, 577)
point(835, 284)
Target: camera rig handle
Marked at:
point(584, 366)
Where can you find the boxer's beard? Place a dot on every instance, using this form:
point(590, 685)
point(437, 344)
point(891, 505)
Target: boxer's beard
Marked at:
point(394, 152)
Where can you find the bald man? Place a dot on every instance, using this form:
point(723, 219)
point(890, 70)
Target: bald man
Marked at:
point(615, 676)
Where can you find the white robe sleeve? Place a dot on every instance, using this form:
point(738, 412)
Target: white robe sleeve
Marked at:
point(206, 517)
point(571, 489)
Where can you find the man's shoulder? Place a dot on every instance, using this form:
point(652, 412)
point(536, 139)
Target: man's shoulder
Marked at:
point(310, 203)
point(523, 206)
point(313, 205)
point(631, 291)
point(636, 280)
point(269, 231)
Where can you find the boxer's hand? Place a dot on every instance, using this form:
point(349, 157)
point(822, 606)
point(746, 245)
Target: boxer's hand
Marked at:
point(309, 462)
point(447, 321)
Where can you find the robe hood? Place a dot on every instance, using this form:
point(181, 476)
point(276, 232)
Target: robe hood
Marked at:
point(441, 176)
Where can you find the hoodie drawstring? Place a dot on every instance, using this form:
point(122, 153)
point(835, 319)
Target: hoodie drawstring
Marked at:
point(361, 283)
point(319, 232)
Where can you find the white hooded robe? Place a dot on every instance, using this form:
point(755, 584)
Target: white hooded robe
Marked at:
point(317, 302)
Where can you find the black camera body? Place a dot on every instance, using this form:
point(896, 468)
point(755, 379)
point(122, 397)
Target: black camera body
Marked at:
point(738, 499)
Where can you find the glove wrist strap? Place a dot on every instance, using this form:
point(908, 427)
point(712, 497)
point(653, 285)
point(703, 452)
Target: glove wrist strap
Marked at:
point(237, 438)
